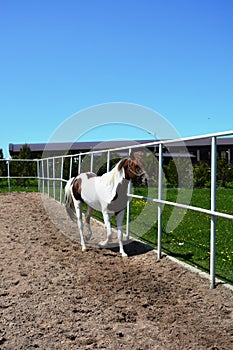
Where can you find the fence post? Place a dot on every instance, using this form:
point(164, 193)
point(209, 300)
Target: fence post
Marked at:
point(43, 180)
point(61, 187)
point(160, 188)
point(71, 165)
point(108, 161)
point(38, 173)
point(8, 175)
point(54, 181)
point(48, 181)
point(79, 163)
point(92, 162)
point(213, 208)
point(128, 208)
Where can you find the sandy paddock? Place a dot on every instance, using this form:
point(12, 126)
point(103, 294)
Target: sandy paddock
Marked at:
point(53, 296)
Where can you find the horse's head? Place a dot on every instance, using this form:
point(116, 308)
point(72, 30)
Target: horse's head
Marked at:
point(133, 170)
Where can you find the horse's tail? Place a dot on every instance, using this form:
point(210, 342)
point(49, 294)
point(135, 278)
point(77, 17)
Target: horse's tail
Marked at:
point(69, 203)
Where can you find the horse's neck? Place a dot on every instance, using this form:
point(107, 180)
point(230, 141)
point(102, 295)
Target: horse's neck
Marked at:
point(113, 177)
point(108, 184)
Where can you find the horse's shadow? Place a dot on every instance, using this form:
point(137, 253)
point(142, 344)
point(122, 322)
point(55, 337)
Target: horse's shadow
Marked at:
point(133, 248)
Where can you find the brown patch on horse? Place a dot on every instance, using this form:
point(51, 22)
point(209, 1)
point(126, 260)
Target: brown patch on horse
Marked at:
point(126, 163)
point(123, 163)
point(77, 189)
point(90, 175)
point(77, 182)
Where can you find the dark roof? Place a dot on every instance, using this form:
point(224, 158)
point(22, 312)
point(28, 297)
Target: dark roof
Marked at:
point(205, 142)
point(75, 146)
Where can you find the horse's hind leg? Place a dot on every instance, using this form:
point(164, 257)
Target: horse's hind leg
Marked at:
point(119, 218)
point(78, 209)
point(88, 217)
point(108, 228)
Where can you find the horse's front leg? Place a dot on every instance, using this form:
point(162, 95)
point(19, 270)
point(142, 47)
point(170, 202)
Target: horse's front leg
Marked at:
point(78, 209)
point(107, 223)
point(119, 217)
point(88, 217)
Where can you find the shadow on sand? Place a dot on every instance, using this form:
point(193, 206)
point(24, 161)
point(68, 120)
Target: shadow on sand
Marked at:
point(133, 248)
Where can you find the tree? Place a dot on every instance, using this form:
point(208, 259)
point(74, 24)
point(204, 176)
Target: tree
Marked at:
point(224, 173)
point(3, 167)
point(201, 174)
point(21, 168)
point(25, 152)
point(171, 173)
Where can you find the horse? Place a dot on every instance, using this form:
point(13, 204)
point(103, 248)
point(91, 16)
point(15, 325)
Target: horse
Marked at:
point(106, 193)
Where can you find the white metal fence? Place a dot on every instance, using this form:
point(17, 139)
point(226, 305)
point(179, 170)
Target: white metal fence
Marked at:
point(17, 169)
point(53, 172)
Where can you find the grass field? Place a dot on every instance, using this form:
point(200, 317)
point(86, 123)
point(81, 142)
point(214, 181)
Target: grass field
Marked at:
point(190, 240)
point(18, 185)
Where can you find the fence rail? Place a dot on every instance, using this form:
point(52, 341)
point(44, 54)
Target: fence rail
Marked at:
point(8, 174)
point(53, 172)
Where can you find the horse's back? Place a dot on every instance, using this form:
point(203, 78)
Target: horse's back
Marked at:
point(86, 176)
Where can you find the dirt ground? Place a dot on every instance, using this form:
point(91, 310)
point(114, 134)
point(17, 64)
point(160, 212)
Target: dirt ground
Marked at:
point(53, 296)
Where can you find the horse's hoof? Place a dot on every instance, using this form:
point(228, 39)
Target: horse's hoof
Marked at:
point(126, 238)
point(88, 237)
point(124, 255)
point(84, 249)
point(103, 243)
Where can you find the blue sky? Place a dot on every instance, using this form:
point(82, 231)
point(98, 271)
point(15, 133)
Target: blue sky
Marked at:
point(59, 57)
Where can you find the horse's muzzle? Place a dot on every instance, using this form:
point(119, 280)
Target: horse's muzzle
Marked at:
point(145, 179)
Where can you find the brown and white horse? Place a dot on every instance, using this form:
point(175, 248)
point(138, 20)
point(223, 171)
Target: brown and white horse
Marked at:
point(106, 193)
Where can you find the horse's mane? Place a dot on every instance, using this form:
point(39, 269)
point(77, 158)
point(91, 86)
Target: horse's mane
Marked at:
point(116, 174)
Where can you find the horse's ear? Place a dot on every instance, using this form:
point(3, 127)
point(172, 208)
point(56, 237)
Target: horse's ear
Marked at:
point(123, 163)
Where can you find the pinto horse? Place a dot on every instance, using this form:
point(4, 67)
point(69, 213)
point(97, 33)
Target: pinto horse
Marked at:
point(106, 193)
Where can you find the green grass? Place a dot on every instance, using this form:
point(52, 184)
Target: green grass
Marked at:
point(190, 240)
point(19, 185)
